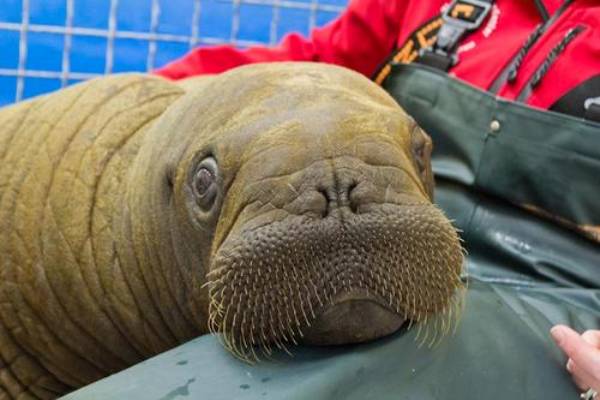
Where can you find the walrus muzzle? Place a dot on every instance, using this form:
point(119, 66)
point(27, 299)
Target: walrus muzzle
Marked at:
point(351, 275)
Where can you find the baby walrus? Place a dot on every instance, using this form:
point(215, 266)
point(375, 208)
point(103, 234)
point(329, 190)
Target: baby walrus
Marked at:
point(275, 204)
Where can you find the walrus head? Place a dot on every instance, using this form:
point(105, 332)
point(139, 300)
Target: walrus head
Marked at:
point(306, 192)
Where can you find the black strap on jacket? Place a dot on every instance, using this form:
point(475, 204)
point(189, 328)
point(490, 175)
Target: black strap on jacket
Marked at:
point(460, 18)
point(582, 101)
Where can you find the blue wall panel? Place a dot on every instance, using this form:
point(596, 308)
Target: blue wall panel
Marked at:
point(46, 64)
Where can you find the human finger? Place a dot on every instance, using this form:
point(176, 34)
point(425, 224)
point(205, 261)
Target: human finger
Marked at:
point(582, 379)
point(586, 356)
point(592, 337)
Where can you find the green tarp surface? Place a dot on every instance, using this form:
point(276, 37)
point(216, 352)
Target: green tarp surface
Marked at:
point(501, 350)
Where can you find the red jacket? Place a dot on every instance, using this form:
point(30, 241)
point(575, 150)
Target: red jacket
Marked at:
point(369, 30)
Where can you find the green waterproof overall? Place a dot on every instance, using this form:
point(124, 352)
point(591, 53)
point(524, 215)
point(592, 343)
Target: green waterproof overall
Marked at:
point(523, 186)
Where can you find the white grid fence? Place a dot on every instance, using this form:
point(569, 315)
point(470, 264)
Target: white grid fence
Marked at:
point(152, 36)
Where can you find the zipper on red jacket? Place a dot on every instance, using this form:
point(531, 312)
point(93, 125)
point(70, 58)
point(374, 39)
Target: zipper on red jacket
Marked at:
point(539, 74)
point(542, 10)
point(509, 73)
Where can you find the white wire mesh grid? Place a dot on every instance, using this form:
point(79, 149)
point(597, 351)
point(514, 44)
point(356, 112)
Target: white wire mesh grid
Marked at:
point(152, 36)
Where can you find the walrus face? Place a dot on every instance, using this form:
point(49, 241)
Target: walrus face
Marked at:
point(317, 192)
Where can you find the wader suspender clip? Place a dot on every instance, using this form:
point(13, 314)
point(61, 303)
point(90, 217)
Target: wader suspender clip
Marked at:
point(460, 18)
point(592, 109)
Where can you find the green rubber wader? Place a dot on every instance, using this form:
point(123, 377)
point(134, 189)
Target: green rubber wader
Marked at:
point(522, 184)
point(527, 272)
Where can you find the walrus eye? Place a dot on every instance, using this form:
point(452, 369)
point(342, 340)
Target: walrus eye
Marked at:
point(421, 149)
point(419, 152)
point(205, 183)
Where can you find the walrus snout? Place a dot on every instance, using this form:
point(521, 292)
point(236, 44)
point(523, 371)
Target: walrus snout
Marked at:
point(353, 318)
point(335, 280)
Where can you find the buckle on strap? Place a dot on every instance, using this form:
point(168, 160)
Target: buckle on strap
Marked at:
point(592, 109)
point(591, 102)
point(466, 14)
point(459, 18)
point(438, 59)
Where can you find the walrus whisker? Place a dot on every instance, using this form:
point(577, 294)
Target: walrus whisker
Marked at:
point(418, 335)
point(436, 331)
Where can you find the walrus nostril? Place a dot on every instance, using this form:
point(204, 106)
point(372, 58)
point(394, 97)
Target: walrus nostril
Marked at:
point(338, 198)
point(326, 209)
point(352, 201)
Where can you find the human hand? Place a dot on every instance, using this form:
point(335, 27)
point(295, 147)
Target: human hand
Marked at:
point(584, 355)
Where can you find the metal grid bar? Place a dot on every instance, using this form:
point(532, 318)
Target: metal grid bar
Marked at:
point(312, 20)
point(153, 29)
point(28, 73)
point(110, 43)
point(195, 28)
point(23, 28)
point(152, 36)
point(235, 21)
point(101, 33)
point(66, 55)
point(292, 4)
point(274, 24)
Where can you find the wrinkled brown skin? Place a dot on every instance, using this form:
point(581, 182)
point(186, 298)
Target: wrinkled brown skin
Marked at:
point(105, 251)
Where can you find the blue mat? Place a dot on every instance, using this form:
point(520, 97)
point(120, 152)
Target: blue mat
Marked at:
point(48, 44)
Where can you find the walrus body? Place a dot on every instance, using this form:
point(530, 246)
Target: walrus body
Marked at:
point(275, 203)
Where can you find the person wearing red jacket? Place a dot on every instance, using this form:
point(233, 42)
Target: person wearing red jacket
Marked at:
point(526, 55)
point(369, 30)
